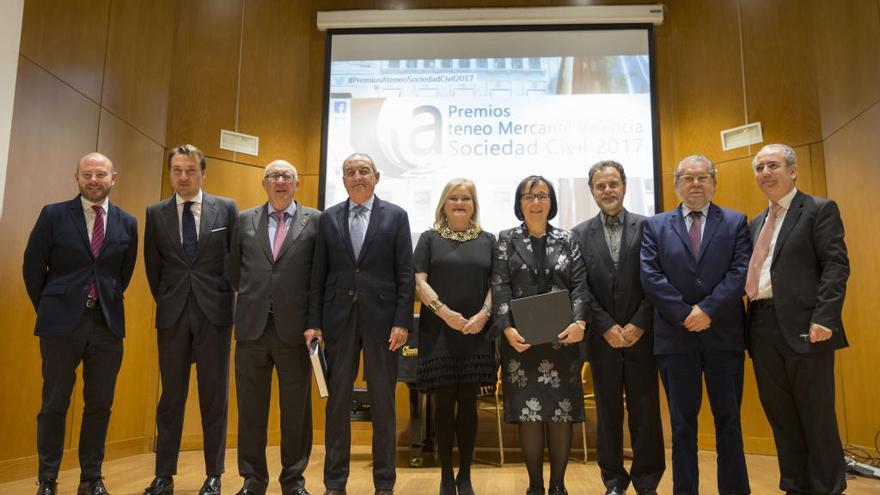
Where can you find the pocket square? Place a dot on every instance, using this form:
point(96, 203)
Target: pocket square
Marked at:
point(218, 230)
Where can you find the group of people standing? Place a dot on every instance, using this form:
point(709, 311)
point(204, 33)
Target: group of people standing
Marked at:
point(647, 294)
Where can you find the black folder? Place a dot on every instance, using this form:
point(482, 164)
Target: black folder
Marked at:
point(541, 318)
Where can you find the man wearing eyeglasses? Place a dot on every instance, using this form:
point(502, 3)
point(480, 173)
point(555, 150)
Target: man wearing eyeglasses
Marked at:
point(796, 284)
point(187, 245)
point(270, 269)
point(694, 261)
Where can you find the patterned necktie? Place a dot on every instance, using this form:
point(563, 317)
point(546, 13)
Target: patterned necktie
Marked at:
point(358, 229)
point(97, 243)
point(694, 232)
point(190, 240)
point(761, 251)
point(280, 233)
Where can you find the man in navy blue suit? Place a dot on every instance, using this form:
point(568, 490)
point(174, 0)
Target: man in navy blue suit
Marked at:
point(361, 298)
point(77, 264)
point(694, 263)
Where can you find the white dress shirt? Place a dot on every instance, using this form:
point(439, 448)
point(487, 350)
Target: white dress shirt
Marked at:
point(686, 212)
point(765, 287)
point(196, 209)
point(273, 223)
point(368, 204)
point(90, 214)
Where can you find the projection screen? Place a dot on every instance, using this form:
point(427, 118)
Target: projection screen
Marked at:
point(493, 106)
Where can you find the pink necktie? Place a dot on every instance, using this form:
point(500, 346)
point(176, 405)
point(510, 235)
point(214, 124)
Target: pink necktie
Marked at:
point(761, 251)
point(97, 243)
point(280, 233)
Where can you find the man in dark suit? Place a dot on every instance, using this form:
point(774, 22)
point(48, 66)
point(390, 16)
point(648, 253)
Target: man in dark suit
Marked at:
point(620, 345)
point(796, 284)
point(77, 264)
point(270, 270)
point(361, 298)
point(187, 246)
point(694, 262)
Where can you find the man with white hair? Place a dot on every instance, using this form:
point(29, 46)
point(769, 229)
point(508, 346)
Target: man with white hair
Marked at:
point(270, 268)
point(796, 285)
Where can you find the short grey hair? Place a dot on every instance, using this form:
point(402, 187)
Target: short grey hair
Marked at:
point(602, 165)
point(359, 157)
point(695, 158)
point(280, 163)
point(785, 150)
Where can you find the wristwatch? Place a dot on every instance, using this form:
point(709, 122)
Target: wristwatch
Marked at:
point(485, 309)
point(435, 305)
point(581, 324)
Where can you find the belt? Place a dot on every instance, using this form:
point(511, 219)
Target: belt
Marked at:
point(91, 303)
point(761, 303)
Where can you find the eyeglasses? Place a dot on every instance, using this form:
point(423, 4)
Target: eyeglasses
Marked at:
point(280, 176)
point(529, 197)
point(690, 179)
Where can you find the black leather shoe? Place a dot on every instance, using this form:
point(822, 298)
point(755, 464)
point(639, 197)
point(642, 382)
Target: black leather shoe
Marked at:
point(299, 491)
point(249, 491)
point(464, 486)
point(94, 487)
point(384, 492)
point(331, 491)
point(47, 487)
point(211, 486)
point(647, 492)
point(557, 490)
point(161, 485)
point(535, 490)
point(615, 490)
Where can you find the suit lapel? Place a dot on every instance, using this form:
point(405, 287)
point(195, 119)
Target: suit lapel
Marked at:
point(113, 228)
point(552, 250)
point(597, 238)
point(791, 217)
point(523, 246)
point(629, 236)
point(260, 222)
point(712, 222)
point(677, 222)
point(206, 220)
point(172, 224)
point(342, 225)
point(375, 220)
point(297, 223)
point(79, 220)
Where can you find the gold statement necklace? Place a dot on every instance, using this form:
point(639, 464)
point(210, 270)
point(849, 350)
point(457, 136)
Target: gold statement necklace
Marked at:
point(468, 235)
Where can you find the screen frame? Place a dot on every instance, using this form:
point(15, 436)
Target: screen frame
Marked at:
point(649, 28)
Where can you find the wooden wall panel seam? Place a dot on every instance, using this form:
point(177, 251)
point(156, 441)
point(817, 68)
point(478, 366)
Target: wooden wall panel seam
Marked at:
point(56, 76)
point(851, 120)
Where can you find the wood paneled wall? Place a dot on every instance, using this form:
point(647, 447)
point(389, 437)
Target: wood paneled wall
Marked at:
point(93, 76)
point(132, 77)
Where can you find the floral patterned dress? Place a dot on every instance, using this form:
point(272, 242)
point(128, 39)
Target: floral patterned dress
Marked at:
point(542, 383)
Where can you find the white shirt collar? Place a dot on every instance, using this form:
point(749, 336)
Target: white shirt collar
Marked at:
point(197, 199)
point(368, 204)
point(786, 200)
point(87, 205)
point(685, 211)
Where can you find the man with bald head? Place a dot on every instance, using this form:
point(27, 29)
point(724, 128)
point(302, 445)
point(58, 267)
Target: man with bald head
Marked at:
point(796, 285)
point(270, 269)
point(78, 262)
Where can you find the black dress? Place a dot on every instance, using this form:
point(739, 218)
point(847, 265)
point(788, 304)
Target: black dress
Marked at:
point(459, 274)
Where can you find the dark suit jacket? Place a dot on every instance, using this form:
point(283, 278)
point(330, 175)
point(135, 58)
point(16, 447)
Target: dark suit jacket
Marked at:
point(514, 272)
point(808, 271)
point(617, 295)
point(172, 278)
point(381, 279)
point(260, 279)
point(674, 280)
point(59, 267)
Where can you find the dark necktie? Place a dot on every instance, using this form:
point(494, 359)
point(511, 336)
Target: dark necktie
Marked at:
point(694, 232)
point(190, 240)
point(97, 243)
point(280, 233)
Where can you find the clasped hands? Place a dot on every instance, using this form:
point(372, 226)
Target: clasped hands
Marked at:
point(457, 321)
point(698, 320)
point(620, 337)
point(572, 334)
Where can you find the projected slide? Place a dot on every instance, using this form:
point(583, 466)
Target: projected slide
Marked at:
point(493, 120)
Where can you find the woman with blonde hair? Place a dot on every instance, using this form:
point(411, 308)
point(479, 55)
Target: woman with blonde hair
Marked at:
point(453, 261)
